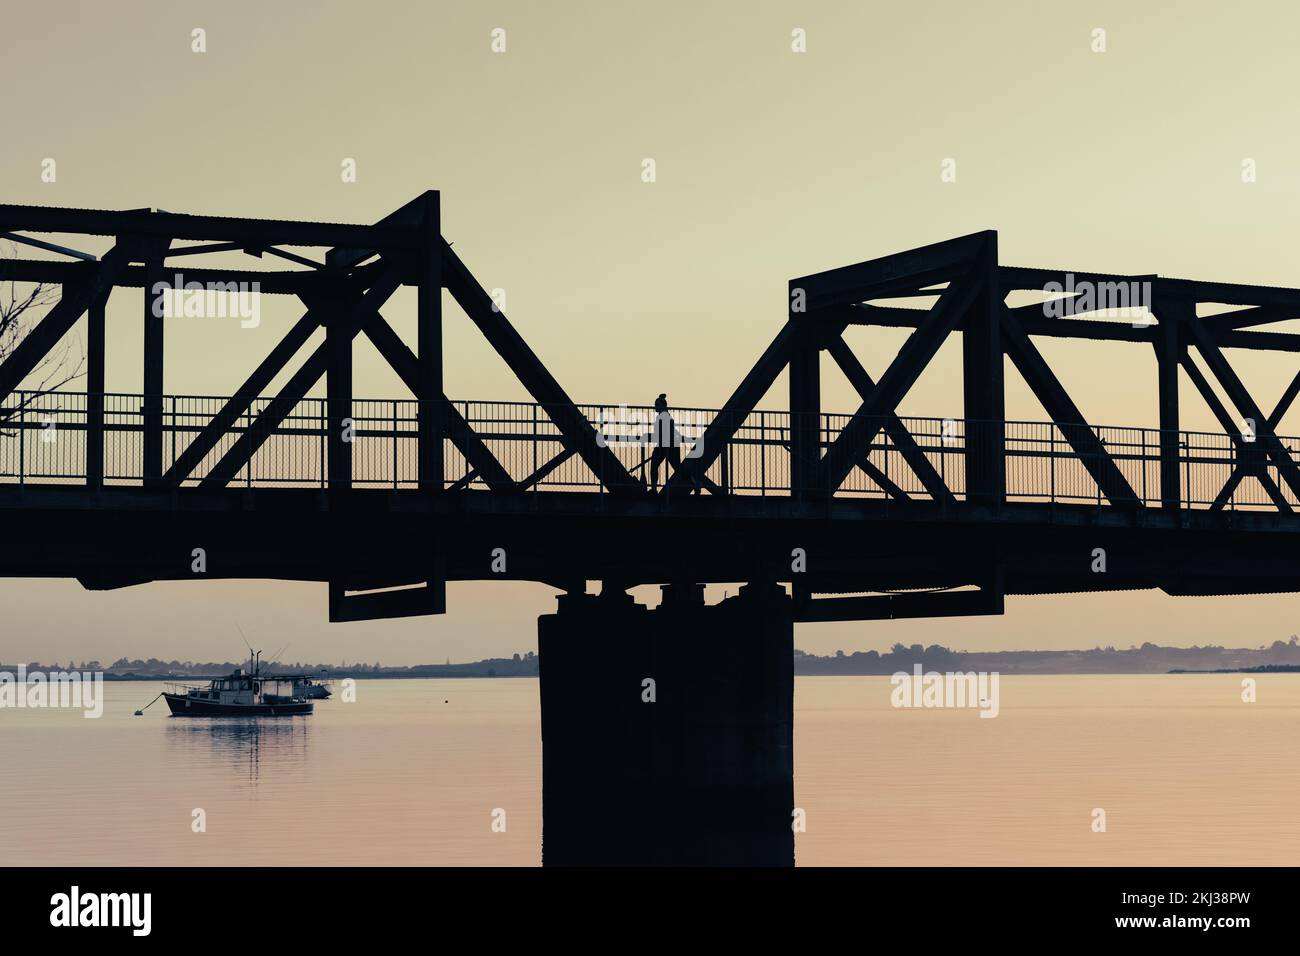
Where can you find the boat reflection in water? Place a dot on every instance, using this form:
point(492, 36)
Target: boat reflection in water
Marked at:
point(216, 749)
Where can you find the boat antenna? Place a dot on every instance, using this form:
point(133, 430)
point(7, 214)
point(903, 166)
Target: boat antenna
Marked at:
point(252, 654)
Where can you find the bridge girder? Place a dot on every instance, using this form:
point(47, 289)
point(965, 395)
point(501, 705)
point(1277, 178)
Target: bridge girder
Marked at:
point(344, 287)
point(965, 271)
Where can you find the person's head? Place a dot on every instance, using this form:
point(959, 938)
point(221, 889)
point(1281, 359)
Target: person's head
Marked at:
point(661, 402)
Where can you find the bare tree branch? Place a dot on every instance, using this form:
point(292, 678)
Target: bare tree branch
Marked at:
point(22, 304)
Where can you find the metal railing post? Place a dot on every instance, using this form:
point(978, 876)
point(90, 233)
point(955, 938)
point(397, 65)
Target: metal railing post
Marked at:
point(469, 427)
point(725, 470)
point(22, 439)
point(943, 454)
point(1144, 468)
point(1101, 451)
point(888, 444)
point(1232, 498)
point(1051, 458)
point(173, 421)
point(248, 465)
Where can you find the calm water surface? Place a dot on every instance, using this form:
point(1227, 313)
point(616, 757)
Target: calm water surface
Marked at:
point(412, 772)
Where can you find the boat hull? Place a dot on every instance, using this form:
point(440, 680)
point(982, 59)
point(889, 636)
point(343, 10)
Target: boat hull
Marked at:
point(182, 706)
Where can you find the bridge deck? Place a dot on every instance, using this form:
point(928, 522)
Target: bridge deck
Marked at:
point(373, 538)
point(372, 494)
point(280, 518)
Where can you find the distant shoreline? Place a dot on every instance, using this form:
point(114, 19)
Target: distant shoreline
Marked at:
point(143, 678)
point(1260, 669)
point(188, 678)
point(1277, 658)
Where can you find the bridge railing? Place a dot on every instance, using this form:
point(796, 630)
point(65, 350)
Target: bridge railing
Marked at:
point(44, 439)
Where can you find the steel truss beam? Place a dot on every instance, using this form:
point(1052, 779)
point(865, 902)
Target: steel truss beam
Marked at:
point(268, 282)
point(575, 431)
point(894, 428)
point(93, 281)
point(852, 296)
point(347, 318)
point(906, 367)
point(737, 408)
point(1035, 323)
point(406, 365)
point(1241, 398)
point(342, 294)
point(1061, 409)
point(263, 233)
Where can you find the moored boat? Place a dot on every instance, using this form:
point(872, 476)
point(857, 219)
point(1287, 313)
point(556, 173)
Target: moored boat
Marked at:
point(239, 695)
point(311, 688)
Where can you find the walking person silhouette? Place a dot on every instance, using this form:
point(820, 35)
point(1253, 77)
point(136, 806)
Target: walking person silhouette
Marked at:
point(667, 442)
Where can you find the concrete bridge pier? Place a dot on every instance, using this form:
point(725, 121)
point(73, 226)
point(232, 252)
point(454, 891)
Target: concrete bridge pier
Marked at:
point(667, 734)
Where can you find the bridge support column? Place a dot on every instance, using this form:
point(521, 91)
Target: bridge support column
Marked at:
point(667, 733)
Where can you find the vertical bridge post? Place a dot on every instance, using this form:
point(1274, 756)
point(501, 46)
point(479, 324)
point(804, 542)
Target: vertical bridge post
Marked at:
point(984, 395)
point(429, 349)
point(338, 393)
point(805, 398)
point(95, 332)
point(152, 412)
point(1169, 351)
